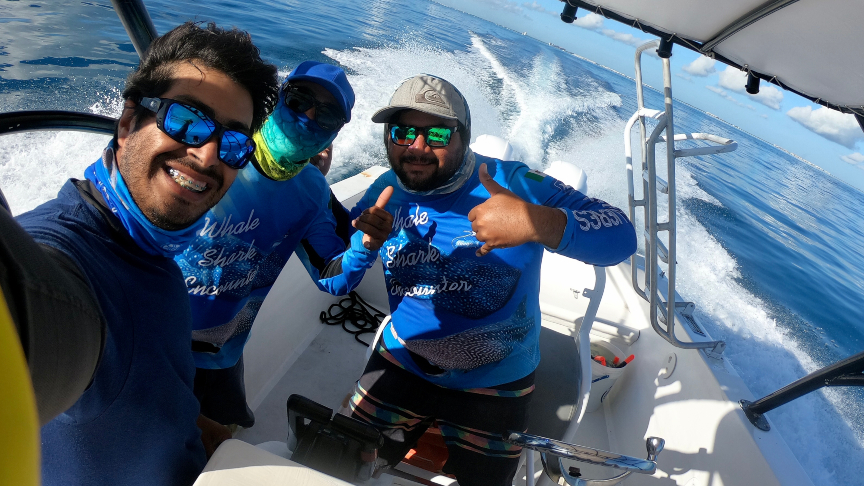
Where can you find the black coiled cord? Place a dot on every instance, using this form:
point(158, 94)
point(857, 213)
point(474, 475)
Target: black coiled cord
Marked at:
point(357, 312)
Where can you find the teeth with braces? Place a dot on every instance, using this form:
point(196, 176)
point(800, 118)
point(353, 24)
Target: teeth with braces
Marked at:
point(186, 182)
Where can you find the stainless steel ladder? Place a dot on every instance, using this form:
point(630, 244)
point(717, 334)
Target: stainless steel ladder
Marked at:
point(652, 187)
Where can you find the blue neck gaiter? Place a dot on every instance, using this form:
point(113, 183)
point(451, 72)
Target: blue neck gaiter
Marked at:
point(152, 239)
point(287, 141)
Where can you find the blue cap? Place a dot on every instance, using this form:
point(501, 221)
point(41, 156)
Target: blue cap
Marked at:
point(331, 77)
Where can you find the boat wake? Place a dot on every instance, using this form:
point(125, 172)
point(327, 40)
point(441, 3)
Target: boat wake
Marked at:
point(533, 107)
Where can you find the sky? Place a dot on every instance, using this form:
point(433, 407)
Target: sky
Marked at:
point(824, 137)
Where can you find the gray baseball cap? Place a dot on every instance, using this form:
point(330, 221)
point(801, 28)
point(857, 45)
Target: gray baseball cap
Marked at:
point(429, 94)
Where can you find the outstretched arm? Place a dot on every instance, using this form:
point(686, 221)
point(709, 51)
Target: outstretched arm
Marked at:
point(537, 208)
point(341, 271)
point(57, 316)
point(506, 220)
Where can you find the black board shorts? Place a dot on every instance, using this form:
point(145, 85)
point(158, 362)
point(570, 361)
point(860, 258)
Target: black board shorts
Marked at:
point(222, 395)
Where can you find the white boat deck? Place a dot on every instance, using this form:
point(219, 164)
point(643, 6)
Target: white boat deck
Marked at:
point(325, 373)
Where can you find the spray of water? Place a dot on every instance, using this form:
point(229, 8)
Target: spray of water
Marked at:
point(33, 165)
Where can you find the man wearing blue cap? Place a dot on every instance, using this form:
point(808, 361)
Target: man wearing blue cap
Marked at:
point(279, 204)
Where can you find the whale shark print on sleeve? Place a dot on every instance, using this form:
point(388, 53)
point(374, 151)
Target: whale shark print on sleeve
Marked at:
point(606, 216)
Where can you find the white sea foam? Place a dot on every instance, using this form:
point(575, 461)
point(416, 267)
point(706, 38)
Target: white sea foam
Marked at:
point(33, 165)
point(767, 356)
point(524, 108)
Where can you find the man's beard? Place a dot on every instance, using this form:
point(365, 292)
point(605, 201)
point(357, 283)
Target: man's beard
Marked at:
point(432, 181)
point(169, 213)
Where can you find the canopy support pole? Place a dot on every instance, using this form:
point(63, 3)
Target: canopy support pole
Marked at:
point(137, 23)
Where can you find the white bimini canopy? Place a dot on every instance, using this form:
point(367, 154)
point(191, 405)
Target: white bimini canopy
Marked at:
point(811, 47)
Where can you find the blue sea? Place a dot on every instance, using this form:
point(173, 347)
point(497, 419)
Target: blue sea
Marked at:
point(769, 246)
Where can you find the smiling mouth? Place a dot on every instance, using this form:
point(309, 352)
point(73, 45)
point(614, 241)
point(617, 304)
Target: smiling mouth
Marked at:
point(186, 182)
point(419, 162)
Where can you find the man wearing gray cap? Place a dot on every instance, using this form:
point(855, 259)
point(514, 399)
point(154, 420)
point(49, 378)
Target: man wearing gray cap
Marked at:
point(462, 268)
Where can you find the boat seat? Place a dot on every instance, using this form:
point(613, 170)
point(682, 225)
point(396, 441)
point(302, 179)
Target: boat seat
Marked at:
point(557, 383)
point(492, 146)
point(570, 294)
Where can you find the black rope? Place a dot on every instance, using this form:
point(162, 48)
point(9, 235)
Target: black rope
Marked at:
point(357, 312)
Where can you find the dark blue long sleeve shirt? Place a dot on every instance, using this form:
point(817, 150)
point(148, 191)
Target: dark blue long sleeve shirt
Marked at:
point(136, 423)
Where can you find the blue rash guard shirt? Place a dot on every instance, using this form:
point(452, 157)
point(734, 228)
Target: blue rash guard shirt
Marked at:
point(136, 423)
point(477, 319)
point(246, 240)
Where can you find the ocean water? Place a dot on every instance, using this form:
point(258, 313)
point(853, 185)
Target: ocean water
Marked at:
point(769, 246)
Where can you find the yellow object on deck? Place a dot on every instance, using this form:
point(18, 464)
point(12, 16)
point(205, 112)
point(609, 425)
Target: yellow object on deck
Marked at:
point(19, 449)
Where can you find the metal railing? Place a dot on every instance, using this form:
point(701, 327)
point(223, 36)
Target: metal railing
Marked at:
point(553, 451)
point(26, 121)
point(652, 184)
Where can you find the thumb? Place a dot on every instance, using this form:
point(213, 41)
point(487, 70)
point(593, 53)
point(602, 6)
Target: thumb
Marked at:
point(488, 182)
point(483, 250)
point(384, 197)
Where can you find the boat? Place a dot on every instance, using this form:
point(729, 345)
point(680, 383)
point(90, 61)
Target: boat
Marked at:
point(680, 403)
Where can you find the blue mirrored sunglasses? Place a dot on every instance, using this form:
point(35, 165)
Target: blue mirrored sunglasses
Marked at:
point(188, 125)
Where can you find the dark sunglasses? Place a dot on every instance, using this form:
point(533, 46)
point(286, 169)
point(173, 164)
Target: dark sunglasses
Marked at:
point(434, 136)
point(300, 100)
point(189, 126)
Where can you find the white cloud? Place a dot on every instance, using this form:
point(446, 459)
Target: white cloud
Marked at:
point(854, 158)
point(622, 37)
point(703, 66)
point(733, 79)
point(768, 96)
point(592, 21)
point(684, 77)
point(736, 80)
point(831, 124)
point(722, 92)
point(537, 7)
point(507, 5)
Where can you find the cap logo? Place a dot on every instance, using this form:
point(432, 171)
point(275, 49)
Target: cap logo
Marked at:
point(431, 97)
